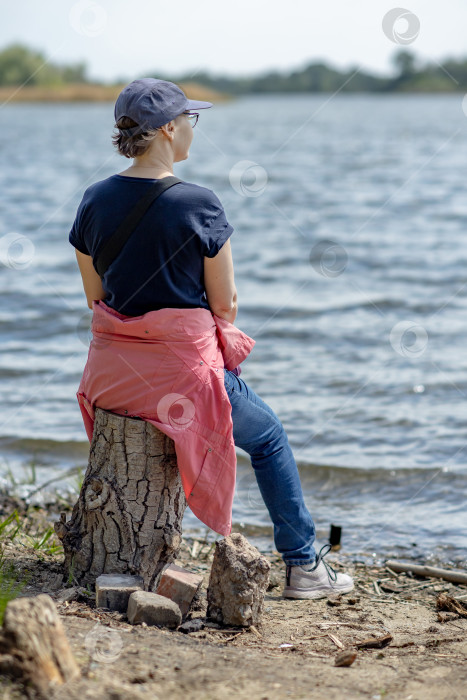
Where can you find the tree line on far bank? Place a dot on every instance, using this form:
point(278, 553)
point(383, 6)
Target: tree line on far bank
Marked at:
point(21, 65)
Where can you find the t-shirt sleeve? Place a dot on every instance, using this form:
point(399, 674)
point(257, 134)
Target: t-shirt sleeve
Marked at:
point(76, 237)
point(210, 224)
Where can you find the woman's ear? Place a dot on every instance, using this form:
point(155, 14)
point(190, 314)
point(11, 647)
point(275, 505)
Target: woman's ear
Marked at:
point(169, 129)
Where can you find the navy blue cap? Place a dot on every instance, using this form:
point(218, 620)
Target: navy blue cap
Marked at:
point(151, 103)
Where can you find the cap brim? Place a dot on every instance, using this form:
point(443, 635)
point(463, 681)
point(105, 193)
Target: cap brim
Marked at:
point(196, 104)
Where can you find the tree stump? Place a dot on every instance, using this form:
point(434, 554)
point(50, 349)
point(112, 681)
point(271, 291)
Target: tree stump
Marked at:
point(128, 518)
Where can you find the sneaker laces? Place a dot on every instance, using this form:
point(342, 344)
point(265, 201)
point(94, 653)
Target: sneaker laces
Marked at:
point(331, 573)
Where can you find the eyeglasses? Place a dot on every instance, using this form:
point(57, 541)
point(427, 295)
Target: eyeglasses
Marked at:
point(193, 117)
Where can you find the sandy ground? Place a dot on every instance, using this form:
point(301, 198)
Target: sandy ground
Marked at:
point(290, 655)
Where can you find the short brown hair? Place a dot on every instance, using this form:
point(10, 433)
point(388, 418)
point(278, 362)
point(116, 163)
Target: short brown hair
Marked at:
point(131, 146)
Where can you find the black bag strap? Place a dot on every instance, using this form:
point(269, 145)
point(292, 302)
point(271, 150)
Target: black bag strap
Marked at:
point(113, 246)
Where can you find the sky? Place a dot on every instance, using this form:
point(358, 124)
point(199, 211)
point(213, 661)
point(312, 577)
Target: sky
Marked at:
point(118, 39)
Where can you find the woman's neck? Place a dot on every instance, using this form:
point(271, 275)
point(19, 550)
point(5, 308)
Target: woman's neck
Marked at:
point(149, 171)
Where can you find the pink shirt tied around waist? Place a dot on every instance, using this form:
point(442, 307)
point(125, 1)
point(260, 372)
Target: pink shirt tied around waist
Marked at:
point(166, 367)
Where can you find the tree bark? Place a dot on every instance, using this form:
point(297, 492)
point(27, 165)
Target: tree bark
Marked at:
point(128, 518)
point(34, 647)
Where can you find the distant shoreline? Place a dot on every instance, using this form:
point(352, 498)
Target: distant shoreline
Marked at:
point(86, 92)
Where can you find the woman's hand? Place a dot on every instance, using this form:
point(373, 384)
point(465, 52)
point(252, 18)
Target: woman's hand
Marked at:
point(220, 285)
point(91, 281)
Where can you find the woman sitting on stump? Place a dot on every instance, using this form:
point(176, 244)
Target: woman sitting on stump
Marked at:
point(176, 272)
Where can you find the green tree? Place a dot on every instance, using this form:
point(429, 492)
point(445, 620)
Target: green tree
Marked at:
point(20, 65)
point(405, 63)
point(75, 74)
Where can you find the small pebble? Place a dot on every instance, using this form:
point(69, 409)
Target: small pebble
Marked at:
point(191, 626)
point(346, 657)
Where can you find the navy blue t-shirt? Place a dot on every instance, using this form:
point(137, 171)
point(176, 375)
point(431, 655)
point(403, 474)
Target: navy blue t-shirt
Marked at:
point(162, 263)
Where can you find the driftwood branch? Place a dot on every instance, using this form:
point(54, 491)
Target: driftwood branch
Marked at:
point(420, 570)
point(34, 647)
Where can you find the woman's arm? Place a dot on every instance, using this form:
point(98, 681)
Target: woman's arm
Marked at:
point(91, 281)
point(220, 285)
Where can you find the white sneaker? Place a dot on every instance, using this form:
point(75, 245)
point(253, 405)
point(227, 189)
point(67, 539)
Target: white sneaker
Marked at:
point(317, 580)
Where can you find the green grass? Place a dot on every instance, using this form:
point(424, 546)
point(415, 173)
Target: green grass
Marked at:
point(25, 531)
point(41, 542)
point(5, 524)
point(29, 475)
point(13, 528)
point(10, 586)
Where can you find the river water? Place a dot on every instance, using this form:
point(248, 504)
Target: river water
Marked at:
point(350, 216)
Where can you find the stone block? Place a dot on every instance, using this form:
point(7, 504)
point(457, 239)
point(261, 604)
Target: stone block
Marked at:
point(179, 585)
point(114, 590)
point(153, 609)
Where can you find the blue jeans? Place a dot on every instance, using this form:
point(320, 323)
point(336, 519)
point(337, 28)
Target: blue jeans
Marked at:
point(258, 431)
